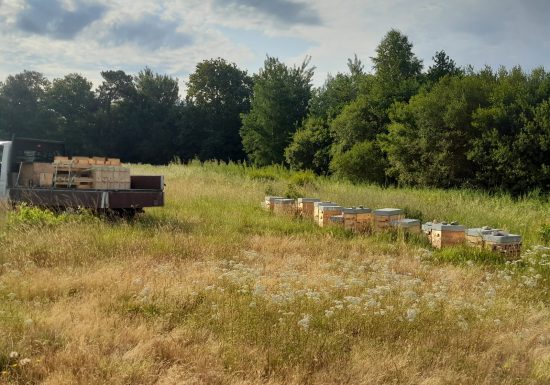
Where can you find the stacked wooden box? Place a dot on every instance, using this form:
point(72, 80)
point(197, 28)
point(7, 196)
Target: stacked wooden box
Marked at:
point(317, 206)
point(306, 207)
point(427, 230)
point(474, 236)
point(444, 234)
point(326, 212)
point(284, 206)
point(357, 219)
point(383, 217)
point(268, 202)
point(503, 243)
point(336, 220)
point(35, 175)
point(110, 178)
point(90, 173)
point(407, 225)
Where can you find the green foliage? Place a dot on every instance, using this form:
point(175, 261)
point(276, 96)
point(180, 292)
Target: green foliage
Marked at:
point(464, 255)
point(364, 162)
point(278, 106)
point(310, 147)
point(544, 233)
point(303, 179)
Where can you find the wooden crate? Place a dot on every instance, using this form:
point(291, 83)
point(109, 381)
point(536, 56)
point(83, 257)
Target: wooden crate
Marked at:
point(427, 230)
point(29, 173)
point(503, 243)
point(268, 202)
point(357, 219)
point(445, 235)
point(317, 205)
point(46, 179)
point(336, 221)
point(306, 207)
point(474, 236)
point(383, 217)
point(284, 206)
point(407, 225)
point(110, 178)
point(326, 212)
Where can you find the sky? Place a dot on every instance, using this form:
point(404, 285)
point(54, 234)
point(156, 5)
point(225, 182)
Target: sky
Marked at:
point(57, 37)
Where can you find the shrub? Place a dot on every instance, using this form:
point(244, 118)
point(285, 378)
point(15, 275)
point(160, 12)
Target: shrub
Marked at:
point(364, 162)
point(544, 233)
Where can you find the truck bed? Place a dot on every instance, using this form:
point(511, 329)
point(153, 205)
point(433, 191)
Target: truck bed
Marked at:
point(92, 199)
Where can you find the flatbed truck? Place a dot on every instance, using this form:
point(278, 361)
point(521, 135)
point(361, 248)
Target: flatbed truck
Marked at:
point(144, 190)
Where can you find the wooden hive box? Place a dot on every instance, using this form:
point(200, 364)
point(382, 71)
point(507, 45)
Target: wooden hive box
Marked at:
point(306, 207)
point(427, 230)
point(503, 243)
point(407, 225)
point(383, 217)
point(444, 235)
point(474, 236)
point(336, 220)
point(284, 206)
point(326, 212)
point(268, 202)
point(29, 173)
point(317, 205)
point(357, 219)
point(110, 178)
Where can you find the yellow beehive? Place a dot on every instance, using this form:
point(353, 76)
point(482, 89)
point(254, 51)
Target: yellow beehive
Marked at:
point(326, 212)
point(444, 234)
point(284, 206)
point(306, 207)
point(383, 217)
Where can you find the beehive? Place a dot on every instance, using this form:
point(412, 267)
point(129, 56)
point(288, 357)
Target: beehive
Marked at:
point(383, 217)
point(444, 234)
point(503, 243)
point(305, 207)
point(284, 206)
point(427, 230)
point(357, 219)
point(326, 212)
point(337, 220)
point(474, 236)
point(316, 206)
point(407, 225)
point(268, 202)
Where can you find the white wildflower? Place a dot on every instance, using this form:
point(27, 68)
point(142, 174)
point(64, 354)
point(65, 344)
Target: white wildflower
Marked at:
point(137, 281)
point(411, 314)
point(24, 361)
point(329, 313)
point(13, 355)
point(259, 290)
point(12, 296)
point(409, 295)
point(304, 322)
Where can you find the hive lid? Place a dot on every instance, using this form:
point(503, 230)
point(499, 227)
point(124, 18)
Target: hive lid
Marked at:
point(448, 227)
point(323, 203)
point(407, 222)
point(427, 226)
point(330, 208)
point(283, 200)
point(479, 231)
point(388, 212)
point(308, 200)
point(502, 237)
point(271, 198)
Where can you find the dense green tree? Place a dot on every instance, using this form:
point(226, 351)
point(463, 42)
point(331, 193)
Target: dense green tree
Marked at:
point(310, 146)
point(429, 138)
point(22, 106)
point(278, 106)
point(443, 66)
point(74, 103)
point(221, 93)
point(364, 162)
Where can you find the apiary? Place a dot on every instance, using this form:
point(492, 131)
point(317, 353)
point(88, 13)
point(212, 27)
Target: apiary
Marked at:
point(284, 206)
point(337, 220)
point(504, 243)
point(474, 236)
point(268, 202)
point(326, 212)
point(407, 225)
point(357, 219)
point(305, 207)
point(316, 206)
point(445, 234)
point(383, 217)
point(427, 230)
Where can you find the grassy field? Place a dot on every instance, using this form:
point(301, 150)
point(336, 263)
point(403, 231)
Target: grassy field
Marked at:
point(211, 289)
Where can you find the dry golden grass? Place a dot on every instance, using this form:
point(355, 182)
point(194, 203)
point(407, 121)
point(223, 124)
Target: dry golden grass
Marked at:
point(212, 290)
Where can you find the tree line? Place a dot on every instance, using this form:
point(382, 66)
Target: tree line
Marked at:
point(401, 123)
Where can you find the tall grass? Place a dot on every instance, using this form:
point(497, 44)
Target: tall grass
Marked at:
point(211, 289)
